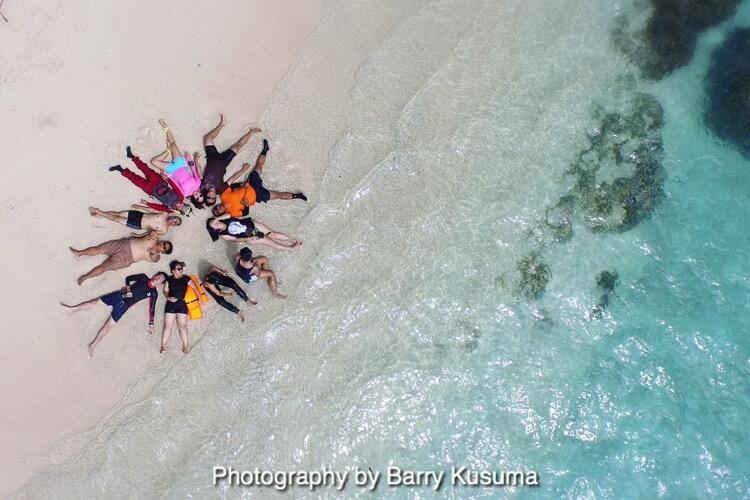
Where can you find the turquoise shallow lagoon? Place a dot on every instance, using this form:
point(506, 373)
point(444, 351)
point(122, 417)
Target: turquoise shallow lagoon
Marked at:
point(440, 133)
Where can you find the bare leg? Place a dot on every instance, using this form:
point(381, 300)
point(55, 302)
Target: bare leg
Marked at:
point(208, 139)
point(103, 331)
point(243, 140)
point(167, 330)
point(98, 270)
point(90, 251)
point(119, 217)
point(171, 144)
point(281, 195)
point(182, 326)
point(271, 243)
point(259, 163)
point(273, 284)
point(161, 160)
point(275, 235)
point(83, 305)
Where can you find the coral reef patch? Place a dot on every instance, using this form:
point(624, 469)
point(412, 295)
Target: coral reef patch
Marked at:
point(727, 87)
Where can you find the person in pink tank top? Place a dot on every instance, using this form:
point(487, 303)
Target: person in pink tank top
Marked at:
point(183, 170)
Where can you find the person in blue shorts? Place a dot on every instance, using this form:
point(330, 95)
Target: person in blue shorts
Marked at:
point(137, 287)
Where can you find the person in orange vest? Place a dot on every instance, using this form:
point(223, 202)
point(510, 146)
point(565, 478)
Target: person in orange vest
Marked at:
point(236, 198)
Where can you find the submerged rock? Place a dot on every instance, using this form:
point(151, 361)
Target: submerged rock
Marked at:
point(626, 149)
point(727, 87)
point(668, 38)
point(606, 282)
point(535, 275)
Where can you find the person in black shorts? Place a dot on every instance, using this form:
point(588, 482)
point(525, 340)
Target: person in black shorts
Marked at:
point(137, 287)
point(254, 179)
point(176, 309)
point(250, 268)
point(146, 220)
point(214, 280)
point(217, 162)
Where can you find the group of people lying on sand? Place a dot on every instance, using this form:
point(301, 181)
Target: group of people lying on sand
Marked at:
point(177, 181)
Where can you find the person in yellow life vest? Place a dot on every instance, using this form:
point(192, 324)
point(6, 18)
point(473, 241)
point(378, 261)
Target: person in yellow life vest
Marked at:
point(175, 289)
point(238, 197)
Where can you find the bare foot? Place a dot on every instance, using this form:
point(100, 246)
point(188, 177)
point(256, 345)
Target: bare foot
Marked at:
point(254, 130)
point(221, 120)
point(163, 123)
point(253, 302)
point(279, 295)
point(185, 349)
point(80, 280)
point(75, 252)
point(242, 316)
point(161, 349)
point(66, 305)
point(296, 245)
point(91, 349)
point(94, 211)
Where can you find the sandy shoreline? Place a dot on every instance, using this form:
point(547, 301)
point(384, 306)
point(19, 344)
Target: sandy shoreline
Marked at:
point(78, 84)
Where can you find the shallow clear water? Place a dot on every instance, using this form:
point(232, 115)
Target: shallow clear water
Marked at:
point(438, 133)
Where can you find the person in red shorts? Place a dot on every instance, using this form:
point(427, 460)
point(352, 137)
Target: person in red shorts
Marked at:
point(154, 184)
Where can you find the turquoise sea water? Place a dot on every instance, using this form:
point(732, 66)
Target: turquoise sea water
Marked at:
point(438, 133)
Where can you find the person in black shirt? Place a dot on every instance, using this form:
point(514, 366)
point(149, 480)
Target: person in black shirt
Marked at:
point(175, 288)
point(234, 229)
point(137, 287)
point(214, 280)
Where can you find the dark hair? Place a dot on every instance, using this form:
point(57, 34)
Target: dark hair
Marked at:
point(213, 233)
point(205, 198)
point(173, 264)
point(164, 275)
point(215, 210)
point(197, 204)
point(169, 247)
point(245, 254)
point(179, 219)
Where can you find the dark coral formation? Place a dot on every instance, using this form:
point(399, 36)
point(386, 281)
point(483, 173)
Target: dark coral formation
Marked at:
point(727, 87)
point(618, 182)
point(535, 275)
point(628, 148)
point(668, 40)
point(606, 283)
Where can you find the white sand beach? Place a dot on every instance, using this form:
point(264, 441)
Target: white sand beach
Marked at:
point(79, 82)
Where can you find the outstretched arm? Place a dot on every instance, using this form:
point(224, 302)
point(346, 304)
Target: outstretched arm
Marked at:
point(143, 207)
point(197, 170)
point(245, 169)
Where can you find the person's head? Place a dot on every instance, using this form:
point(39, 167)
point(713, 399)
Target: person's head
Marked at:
point(209, 195)
point(165, 247)
point(219, 209)
point(158, 278)
point(214, 226)
point(173, 220)
point(177, 268)
point(197, 199)
point(245, 254)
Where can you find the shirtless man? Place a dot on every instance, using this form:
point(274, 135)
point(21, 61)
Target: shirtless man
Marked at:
point(143, 219)
point(124, 252)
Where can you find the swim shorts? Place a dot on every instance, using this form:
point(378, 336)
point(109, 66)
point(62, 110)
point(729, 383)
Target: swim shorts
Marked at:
point(116, 302)
point(179, 307)
point(261, 193)
point(134, 219)
point(225, 157)
point(119, 253)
